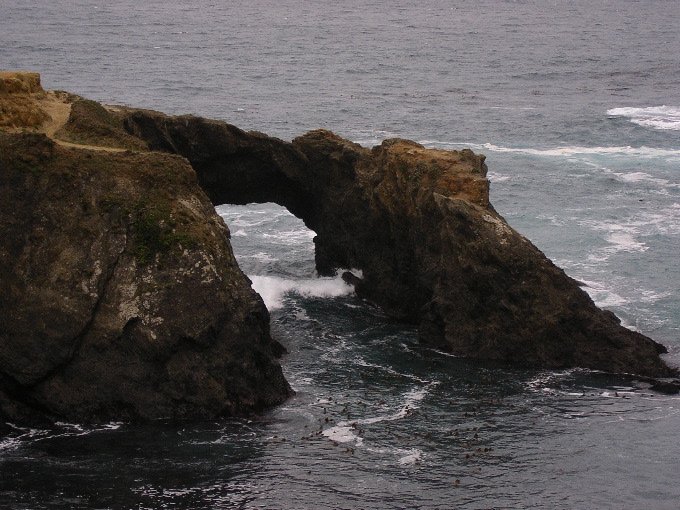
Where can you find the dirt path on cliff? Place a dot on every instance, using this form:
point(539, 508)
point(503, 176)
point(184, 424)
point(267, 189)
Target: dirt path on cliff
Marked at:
point(59, 111)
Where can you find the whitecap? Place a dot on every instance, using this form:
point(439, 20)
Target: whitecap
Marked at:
point(655, 117)
point(290, 237)
point(345, 432)
point(371, 138)
point(362, 362)
point(574, 152)
point(263, 257)
point(641, 177)
point(496, 177)
point(570, 151)
point(603, 296)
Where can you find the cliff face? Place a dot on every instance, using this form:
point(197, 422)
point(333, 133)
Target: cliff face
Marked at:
point(417, 222)
point(120, 295)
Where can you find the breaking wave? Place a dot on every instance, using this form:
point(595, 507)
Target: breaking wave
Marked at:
point(274, 289)
point(655, 117)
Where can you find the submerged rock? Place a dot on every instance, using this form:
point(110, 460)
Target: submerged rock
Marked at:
point(418, 224)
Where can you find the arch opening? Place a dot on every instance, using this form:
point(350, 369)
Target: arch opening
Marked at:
point(275, 250)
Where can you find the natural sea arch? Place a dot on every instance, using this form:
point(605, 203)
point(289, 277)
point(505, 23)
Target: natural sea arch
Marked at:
point(418, 223)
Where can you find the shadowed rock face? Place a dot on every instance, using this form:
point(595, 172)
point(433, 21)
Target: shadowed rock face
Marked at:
point(417, 222)
point(120, 297)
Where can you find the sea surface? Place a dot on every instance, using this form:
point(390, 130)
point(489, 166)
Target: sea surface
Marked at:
point(576, 105)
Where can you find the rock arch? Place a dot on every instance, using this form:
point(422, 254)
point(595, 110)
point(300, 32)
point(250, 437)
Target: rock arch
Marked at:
point(419, 224)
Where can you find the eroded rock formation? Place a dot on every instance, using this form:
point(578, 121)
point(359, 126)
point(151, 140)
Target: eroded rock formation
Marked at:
point(418, 223)
point(120, 297)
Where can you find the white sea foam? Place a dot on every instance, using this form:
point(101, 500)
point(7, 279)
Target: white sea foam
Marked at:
point(247, 216)
point(273, 288)
point(573, 151)
point(655, 117)
point(624, 241)
point(496, 177)
point(647, 152)
point(410, 457)
point(602, 295)
point(263, 257)
point(371, 138)
point(642, 177)
point(290, 237)
point(344, 431)
point(362, 362)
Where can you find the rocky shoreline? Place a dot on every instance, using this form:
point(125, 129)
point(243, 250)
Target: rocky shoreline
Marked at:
point(121, 297)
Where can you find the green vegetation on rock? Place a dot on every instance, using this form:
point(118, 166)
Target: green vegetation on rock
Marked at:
point(154, 232)
point(92, 124)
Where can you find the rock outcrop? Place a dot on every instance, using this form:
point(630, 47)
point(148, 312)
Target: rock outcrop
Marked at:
point(418, 224)
point(120, 297)
point(20, 93)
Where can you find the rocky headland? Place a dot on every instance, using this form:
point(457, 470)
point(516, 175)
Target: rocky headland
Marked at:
point(119, 291)
point(121, 298)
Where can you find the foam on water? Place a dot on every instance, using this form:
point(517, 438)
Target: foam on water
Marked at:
point(273, 289)
point(410, 456)
point(603, 295)
point(656, 117)
point(623, 241)
point(290, 237)
point(363, 363)
point(349, 431)
point(565, 151)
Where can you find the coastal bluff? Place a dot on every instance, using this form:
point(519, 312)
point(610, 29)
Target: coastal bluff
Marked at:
point(120, 296)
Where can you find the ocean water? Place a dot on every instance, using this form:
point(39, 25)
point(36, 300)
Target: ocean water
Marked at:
point(577, 108)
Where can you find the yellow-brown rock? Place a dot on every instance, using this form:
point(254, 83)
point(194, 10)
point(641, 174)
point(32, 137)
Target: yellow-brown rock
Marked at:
point(20, 93)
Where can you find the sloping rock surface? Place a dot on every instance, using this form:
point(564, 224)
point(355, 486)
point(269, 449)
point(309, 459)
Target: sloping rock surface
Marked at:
point(120, 297)
point(418, 223)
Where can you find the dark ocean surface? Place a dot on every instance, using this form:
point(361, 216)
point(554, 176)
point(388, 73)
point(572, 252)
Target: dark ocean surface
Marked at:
point(577, 108)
